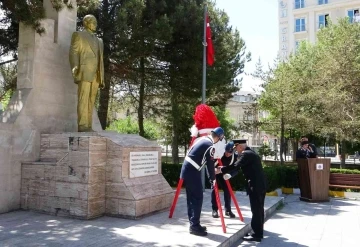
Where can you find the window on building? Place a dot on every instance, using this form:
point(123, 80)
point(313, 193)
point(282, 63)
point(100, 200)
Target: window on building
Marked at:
point(353, 15)
point(323, 20)
point(299, 4)
point(323, 2)
point(300, 25)
point(297, 44)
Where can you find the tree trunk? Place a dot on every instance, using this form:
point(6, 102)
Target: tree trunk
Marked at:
point(294, 148)
point(282, 140)
point(343, 152)
point(175, 121)
point(105, 92)
point(141, 98)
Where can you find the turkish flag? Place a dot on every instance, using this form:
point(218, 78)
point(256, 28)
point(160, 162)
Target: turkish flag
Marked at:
point(210, 52)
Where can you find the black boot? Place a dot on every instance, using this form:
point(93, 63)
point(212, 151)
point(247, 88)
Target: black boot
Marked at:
point(230, 214)
point(252, 238)
point(198, 231)
point(215, 214)
point(251, 234)
point(203, 228)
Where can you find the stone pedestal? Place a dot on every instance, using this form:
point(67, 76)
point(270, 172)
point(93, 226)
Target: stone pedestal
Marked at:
point(45, 100)
point(86, 175)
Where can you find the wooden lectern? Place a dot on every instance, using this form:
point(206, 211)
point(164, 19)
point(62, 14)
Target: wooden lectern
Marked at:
point(314, 175)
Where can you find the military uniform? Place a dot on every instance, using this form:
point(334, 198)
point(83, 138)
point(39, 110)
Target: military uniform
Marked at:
point(200, 153)
point(226, 162)
point(250, 164)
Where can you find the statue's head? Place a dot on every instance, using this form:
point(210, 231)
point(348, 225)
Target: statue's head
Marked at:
point(90, 23)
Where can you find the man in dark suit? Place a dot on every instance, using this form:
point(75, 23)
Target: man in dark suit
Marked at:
point(87, 67)
point(250, 164)
point(304, 151)
point(311, 147)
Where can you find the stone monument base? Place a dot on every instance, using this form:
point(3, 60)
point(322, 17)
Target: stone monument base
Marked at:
point(87, 175)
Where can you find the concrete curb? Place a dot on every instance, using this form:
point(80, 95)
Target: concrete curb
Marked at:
point(247, 228)
point(344, 194)
point(296, 191)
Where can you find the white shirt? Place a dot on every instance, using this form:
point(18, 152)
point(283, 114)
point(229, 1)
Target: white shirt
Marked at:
point(356, 18)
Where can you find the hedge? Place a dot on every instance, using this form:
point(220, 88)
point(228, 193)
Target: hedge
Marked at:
point(276, 176)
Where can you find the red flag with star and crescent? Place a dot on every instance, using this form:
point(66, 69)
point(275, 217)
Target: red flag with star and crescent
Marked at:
point(210, 52)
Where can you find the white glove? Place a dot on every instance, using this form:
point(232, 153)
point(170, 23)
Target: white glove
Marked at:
point(194, 131)
point(219, 149)
point(227, 176)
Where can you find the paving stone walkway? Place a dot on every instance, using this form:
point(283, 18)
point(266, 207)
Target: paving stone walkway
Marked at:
point(332, 224)
point(24, 228)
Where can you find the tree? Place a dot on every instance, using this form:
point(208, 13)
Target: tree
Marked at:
point(316, 91)
point(7, 82)
point(155, 60)
point(265, 151)
point(139, 54)
point(184, 56)
point(130, 126)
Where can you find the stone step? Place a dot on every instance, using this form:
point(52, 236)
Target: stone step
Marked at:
point(45, 163)
point(37, 170)
point(55, 147)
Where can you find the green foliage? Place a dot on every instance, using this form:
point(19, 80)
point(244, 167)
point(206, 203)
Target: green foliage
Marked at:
point(7, 82)
point(344, 171)
point(272, 178)
point(276, 176)
point(171, 173)
point(226, 122)
point(265, 150)
point(153, 53)
point(316, 90)
point(5, 99)
point(184, 55)
point(318, 85)
point(130, 126)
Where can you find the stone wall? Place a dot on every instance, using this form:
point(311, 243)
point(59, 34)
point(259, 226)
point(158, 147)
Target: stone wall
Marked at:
point(69, 179)
point(86, 175)
point(133, 197)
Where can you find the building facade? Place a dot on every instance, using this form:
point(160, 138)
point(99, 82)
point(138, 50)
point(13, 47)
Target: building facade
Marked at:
point(299, 20)
point(242, 107)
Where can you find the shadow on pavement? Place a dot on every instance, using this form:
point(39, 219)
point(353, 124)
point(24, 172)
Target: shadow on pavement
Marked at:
point(271, 239)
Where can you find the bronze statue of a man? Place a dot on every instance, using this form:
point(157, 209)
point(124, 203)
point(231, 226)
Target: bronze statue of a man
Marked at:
point(87, 66)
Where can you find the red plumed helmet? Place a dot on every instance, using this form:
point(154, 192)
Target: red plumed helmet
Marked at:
point(205, 120)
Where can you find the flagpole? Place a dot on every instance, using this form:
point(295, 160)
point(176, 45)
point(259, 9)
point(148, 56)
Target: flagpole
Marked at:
point(204, 81)
point(204, 58)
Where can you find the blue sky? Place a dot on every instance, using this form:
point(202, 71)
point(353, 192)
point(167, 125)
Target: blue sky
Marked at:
point(257, 21)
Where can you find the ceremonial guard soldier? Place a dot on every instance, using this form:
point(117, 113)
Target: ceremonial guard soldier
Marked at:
point(200, 153)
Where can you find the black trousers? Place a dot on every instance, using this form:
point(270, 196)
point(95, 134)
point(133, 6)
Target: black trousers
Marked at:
point(194, 193)
point(227, 198)
point(257, 200)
